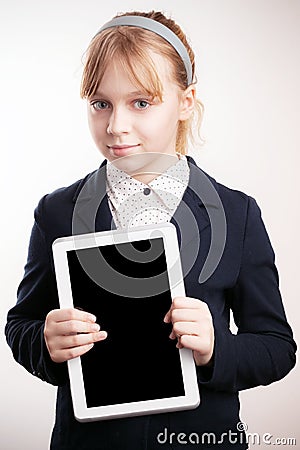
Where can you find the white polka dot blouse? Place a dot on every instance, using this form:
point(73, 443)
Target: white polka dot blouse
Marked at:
point(134, 203)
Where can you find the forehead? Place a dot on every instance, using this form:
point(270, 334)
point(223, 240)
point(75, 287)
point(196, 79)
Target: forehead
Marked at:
point(135, 75)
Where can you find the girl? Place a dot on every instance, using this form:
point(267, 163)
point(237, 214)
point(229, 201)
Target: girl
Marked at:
point(139, 84)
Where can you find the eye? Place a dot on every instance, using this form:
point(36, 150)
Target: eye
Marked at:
point(142, 104)
point(99, 105)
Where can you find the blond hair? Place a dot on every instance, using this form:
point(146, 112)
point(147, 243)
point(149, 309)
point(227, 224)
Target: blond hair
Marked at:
point(130, 46)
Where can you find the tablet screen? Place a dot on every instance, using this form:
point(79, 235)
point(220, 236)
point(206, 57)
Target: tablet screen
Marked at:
point(137, 361)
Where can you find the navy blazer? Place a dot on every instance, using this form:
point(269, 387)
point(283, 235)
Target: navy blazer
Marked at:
point(245, 281)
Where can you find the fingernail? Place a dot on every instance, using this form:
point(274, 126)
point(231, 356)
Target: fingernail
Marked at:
point(92, 318)
point(95, 327)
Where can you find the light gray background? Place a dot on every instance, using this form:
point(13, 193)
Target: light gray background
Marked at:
point(248, 70)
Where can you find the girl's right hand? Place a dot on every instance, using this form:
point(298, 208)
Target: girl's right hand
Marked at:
point(70, 333)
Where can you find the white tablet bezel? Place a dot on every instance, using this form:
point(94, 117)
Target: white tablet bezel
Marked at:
point(60, 247)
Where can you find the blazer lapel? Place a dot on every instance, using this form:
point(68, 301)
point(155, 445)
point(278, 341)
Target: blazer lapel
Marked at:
point(91, 211)
point(201, 207)
point(191, 217)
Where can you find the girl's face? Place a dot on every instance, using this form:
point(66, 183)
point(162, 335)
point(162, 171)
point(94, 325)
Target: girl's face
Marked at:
point(131, 129)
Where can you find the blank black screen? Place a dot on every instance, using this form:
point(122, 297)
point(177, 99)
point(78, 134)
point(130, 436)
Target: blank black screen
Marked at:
point(138, 361)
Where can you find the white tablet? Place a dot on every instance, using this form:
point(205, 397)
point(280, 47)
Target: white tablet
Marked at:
point(127, 279)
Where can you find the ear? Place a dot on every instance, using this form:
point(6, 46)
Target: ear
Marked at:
point(187, 104)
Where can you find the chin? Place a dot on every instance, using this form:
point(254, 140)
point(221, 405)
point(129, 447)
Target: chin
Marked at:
point(143, 164)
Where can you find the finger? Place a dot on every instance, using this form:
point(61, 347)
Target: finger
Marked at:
point(71, 353)
point(185, 315)
point(181, 301)
point(183, 328)
point(179, 344)
point(80, 340)
point(62, 315)
point(189, 341)
point(75, 326)
point(173, 335)
point(179, 330)
point(167, 317)
point(188, 302)
point(202, 348)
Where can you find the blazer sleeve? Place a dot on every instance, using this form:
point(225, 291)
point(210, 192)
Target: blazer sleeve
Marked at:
point(36, 296)
point(263, 350)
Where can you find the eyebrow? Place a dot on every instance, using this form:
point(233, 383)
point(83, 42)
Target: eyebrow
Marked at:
point(130, 94)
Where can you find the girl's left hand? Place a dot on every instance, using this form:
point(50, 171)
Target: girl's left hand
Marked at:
point(193, 327)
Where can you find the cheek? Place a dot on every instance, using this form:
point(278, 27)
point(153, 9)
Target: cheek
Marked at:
point(157, 124)
point(168, 118)
point(97, 133)
point(91, 123)
point(96, 127)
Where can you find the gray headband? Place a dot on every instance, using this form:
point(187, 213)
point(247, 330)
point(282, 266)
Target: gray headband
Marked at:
point(158, 28)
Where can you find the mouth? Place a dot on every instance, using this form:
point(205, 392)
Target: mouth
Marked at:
point(122, 150)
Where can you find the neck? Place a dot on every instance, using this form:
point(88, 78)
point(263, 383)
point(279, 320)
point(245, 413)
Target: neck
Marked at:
point(146, 167)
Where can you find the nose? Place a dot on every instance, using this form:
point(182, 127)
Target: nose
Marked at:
point(118, 123)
